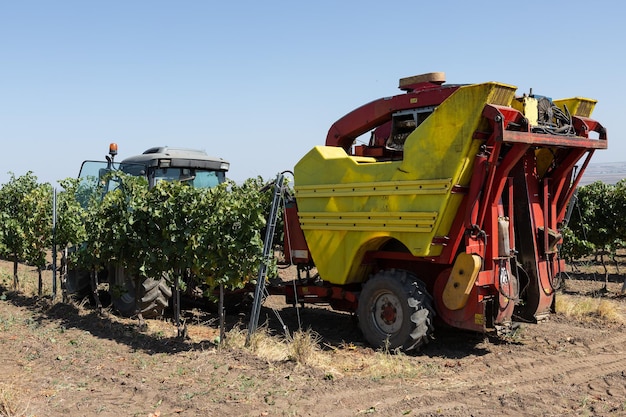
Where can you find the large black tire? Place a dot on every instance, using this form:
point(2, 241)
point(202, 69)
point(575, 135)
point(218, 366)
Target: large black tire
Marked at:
point(154, 298)
point(395, 311)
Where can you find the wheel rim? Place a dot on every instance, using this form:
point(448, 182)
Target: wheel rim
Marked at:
point(387, 313)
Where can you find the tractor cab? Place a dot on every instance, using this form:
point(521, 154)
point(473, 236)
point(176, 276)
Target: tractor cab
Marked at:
point(190, 166)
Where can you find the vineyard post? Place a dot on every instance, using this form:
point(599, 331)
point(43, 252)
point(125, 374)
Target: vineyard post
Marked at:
point(176, 303)
point(54, 242)
point(222, 313)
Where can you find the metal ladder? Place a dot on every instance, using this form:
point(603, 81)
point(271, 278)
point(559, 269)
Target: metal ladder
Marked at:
point(259, 290)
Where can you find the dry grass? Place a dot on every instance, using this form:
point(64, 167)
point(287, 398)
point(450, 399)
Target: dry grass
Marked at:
point(379, 364)
point(263, 344)
point(609, 311)
point(587, 308)
point(304, 347)
point(397, 365)
point(12, 401)
point(28, 279)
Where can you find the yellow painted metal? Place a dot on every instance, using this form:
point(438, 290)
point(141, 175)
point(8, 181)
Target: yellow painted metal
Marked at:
point(577, 106)
point(350, 205)
point(370, 221)
point(528, 107)
point(462, 278)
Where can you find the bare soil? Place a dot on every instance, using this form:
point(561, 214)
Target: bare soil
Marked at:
point(69, 360)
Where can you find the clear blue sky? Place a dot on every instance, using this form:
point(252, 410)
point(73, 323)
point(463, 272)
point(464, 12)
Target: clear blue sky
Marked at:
point(260, 82)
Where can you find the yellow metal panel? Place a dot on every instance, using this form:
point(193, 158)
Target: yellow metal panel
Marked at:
point(439, 146)
point(369, 221)
point(461, 280)
point(577, 106)
point(352, 189)
point(528, 106)
point(410, 200)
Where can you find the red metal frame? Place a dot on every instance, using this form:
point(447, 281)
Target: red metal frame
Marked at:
point(295, 247)
point(306, 291)
point(345, 130)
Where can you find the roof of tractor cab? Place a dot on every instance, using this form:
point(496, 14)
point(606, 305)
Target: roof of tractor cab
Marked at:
point(165, 157)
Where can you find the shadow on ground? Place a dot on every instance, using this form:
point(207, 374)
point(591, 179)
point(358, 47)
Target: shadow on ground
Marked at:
point(335, 329)
point(102, 325)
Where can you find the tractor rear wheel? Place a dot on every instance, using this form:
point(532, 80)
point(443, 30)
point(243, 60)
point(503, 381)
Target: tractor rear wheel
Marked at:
point(78, 283)
point(153, 298)
point(395, 311)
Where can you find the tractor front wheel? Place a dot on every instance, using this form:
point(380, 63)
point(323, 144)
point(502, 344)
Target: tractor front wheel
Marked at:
point(395, 311)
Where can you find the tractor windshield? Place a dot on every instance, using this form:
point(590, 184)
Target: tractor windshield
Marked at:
point(197, 178)
point(95, 180)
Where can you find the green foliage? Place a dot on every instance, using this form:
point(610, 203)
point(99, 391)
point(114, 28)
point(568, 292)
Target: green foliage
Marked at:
point(574, 245)
point(619, 207)
point(25, 221)
point(596, 225)
point(37, 205)
point(233, 237)
point(211, 235)
point(14, 224)
point(70, 225)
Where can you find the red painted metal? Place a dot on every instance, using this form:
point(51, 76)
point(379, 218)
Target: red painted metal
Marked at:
point(345, 130)
point(340, 298)
point(472, 317)
point(295, 247)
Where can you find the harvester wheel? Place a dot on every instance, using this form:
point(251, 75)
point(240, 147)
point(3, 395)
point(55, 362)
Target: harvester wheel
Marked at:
point(396, 311)
point(153, 298)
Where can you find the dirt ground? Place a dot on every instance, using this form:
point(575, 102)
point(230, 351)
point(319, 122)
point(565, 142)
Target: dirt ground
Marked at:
point(68, 360)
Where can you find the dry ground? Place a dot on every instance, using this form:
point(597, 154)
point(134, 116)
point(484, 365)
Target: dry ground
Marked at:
point(68, 360)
